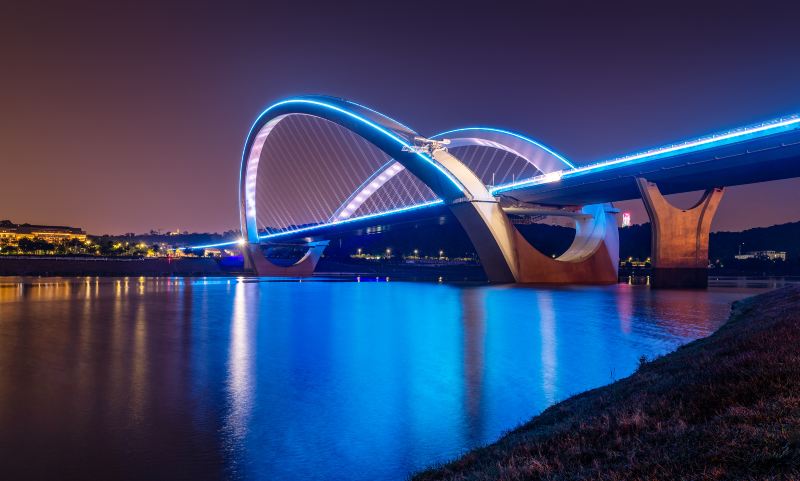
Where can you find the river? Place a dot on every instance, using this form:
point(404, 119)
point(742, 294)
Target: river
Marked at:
point(145, 378)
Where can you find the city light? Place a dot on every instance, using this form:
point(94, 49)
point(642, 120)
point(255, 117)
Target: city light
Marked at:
point(626, 219)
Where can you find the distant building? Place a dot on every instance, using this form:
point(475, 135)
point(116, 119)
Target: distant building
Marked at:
point(51, 233)
point(626, 219)
point(770, 255)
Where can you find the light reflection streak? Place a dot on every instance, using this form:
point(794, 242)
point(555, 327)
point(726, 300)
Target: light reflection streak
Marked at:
point(139, 365)
point(11, 292)
point(474, 319)
point(547, 328)
point(625, 307)
point(240, 367)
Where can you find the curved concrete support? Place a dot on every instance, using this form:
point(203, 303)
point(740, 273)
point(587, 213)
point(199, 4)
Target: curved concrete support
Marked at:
point(596, 227)
point(679, 240)
point(256, 262)
point(593, 257)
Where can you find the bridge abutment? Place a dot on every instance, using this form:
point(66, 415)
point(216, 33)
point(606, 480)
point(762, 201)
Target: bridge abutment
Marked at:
point(256, 262)
point(679, 240)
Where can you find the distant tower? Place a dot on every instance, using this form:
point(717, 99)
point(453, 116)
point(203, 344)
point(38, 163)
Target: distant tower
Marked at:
point(626, 219)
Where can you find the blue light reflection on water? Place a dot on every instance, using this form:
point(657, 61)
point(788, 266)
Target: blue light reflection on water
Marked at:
point(311, 380)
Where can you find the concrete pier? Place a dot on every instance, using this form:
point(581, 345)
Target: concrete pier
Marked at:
point(256, 262)
point(679, 243)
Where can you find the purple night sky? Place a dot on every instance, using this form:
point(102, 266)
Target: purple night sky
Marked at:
point(128, 118)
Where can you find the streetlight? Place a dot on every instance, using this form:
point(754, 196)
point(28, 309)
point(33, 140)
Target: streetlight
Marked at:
point(441, 253)
point(358, 251)
point(388, 253)
point(416, 252)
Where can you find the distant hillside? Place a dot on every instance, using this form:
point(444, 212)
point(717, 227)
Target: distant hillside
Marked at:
point(635, 241)
point(782, 237)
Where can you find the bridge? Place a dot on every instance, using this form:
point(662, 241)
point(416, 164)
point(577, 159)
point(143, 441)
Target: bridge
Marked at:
point(313, 167)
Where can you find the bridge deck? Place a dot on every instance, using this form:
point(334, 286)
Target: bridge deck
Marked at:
point(756, 160)
point(752, 158)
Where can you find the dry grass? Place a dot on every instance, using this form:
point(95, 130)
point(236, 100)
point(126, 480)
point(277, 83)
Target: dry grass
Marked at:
point(723, 407)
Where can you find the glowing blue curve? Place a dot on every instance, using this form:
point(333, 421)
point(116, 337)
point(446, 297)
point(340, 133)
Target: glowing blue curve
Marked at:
point(372, 132)
point(513, 134)
point(352, 219)
point(209, 246)
point(370, 186)
point(763, 129)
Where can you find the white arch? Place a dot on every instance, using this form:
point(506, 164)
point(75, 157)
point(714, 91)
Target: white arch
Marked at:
point(390, 136)
point(541, 157)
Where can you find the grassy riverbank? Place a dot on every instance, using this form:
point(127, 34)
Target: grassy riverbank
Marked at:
point(723, 407)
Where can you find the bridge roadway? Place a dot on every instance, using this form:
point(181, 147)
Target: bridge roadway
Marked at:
point(728, 159)
point(759, 159)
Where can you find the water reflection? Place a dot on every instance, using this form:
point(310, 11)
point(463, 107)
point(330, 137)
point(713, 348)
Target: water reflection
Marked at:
point(474, 312)
point(240, 366)
point(210, 378)
point(625, 307)
point(139, 377)
point(547, 328)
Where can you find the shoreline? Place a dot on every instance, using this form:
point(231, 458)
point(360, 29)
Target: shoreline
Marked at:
point(723, 407)
point(91, 266)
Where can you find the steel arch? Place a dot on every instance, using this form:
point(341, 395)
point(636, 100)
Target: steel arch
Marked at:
point(390, 136)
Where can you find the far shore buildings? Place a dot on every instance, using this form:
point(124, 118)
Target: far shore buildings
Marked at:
point(51, 233)
point(771, 255)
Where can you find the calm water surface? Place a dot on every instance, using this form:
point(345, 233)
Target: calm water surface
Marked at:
point(225, 378)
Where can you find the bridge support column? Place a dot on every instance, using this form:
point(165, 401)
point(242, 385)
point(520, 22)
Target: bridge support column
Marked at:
point(593, 257)
point(256, 262)
point(506, 256)
point(679, 240)
point(492, 236)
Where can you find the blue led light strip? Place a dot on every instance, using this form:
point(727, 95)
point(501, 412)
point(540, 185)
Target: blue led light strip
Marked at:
point(371, 124)
point(352, 219)
point(328, 224)
point(760, 130)
point(209, 246)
